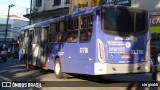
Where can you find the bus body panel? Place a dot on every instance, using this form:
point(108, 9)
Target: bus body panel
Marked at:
point(73, 60)
point(126, 51)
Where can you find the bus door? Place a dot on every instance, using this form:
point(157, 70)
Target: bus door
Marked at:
point(43, 47)
point(30, 40)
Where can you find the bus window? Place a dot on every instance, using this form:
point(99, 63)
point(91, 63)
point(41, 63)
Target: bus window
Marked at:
point(52, 28)
point(86, 23)
point(62, 26)
point(57, 32)
point(57, 27)
point(110, 19)
point(83, 22)
point(52, 32)
point(72, 36)
point(141, 21)
point(70, 25)
point(73, 24)
point(124, 20)
point(85, 35)
point(72, 32)
point(58, 37)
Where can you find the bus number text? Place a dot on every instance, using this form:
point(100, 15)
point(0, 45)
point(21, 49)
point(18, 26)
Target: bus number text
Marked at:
point(83, 50)
point(136, 52)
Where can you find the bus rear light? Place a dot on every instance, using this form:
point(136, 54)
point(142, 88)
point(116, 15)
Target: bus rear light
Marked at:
point(101, 53)
point(147, 55)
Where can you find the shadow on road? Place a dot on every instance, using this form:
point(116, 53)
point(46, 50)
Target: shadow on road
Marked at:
point(17, 71)
point(113, 81)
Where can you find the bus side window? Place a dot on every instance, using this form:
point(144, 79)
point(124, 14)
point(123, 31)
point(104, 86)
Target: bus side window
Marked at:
point(86, 23)
point(60, 32)
point(85, 35)
point(58, 37)
point(72, 36)
point(72, 32)
point(70, 25)
point(83, 22)
point(52, 32)
point(57, 27)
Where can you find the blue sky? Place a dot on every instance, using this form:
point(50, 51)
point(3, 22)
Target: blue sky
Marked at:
point(19, 8)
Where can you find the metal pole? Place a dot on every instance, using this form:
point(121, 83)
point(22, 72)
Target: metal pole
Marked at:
point(30, 13)
point(6, 30)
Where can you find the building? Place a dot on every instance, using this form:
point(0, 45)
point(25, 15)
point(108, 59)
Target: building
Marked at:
point(14, 25)
point(45, 9)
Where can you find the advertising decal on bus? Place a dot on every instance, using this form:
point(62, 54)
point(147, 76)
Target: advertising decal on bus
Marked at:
point(78, 5)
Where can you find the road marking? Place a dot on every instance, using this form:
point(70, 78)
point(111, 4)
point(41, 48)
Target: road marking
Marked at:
point(5, 79)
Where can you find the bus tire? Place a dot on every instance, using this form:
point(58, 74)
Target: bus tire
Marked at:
point(58, 69)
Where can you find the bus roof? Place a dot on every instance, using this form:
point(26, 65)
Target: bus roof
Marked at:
point(58, 19)
point(47, 22)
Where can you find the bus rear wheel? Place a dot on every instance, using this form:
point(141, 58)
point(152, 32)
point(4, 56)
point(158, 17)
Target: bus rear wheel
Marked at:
point(58, 69)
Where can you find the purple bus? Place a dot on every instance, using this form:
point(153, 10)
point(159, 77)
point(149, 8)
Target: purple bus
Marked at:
point(100, 40)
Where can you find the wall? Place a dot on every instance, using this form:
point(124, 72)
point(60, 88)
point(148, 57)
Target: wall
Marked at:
point(49, 5)
point(14, 26)
point(147, 4)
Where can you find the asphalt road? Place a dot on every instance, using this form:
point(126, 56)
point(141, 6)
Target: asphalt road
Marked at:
point(14, 71)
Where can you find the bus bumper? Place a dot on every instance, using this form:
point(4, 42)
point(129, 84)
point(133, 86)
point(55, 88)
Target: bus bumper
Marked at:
point(106, 68)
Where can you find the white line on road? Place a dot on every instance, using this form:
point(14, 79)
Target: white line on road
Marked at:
point(5, 79)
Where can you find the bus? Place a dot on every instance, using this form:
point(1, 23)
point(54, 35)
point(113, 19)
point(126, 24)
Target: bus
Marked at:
point(97, 41)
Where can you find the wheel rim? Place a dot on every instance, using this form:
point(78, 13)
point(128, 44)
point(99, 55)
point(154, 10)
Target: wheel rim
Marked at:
point(57, 68)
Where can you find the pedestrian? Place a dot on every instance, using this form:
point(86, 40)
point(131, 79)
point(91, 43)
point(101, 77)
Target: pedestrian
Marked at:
point(9, 51)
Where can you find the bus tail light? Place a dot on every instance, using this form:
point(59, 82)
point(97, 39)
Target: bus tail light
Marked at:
point(147, 55)
point(101, 53)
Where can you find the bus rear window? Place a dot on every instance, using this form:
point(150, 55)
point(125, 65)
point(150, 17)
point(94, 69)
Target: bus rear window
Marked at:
point(124, 19)
point(141, 21)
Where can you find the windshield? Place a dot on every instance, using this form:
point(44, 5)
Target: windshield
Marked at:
point(123, 19)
